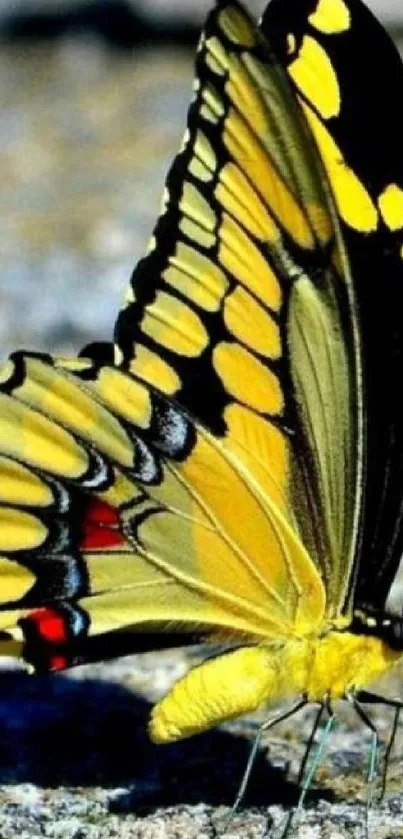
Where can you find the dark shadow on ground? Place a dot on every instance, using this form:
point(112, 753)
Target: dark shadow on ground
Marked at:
point(56, 731)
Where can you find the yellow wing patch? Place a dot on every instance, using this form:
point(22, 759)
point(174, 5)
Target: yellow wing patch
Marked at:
point(313, 72)
point(330, 17)
point(391, 206)
point(354, 202)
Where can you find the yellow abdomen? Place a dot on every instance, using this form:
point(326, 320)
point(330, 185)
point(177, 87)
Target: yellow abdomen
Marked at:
point(238, 682)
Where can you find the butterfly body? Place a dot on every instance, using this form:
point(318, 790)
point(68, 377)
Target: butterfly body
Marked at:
point(323, 668)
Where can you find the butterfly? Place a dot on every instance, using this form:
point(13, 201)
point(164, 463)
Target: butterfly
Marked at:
point(231, 469)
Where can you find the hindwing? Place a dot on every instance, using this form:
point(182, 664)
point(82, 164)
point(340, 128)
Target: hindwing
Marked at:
point(114, 502)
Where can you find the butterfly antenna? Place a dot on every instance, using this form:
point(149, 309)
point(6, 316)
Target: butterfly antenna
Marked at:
point(284, 715)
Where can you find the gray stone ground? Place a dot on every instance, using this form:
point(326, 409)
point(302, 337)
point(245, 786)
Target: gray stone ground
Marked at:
point(85, 138)
point(76, 763)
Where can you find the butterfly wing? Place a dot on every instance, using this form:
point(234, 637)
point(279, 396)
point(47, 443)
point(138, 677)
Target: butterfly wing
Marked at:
point(113, 504)
point(243, 308)
point(348, 76)
point(211, 481)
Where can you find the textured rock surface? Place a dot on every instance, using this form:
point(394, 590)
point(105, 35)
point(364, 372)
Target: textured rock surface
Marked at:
point(76, 763)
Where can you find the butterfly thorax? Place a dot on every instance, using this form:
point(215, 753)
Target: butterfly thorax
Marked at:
point(330, 666)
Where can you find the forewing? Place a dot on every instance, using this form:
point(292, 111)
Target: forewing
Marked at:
point(243, 309)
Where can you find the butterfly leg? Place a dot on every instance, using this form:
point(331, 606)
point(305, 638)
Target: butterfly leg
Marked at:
point(305, 777)
point(389, 747)
point(284, 715)
point(397, 704)
point(373, 752)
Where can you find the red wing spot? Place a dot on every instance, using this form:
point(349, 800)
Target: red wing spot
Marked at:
point(101, 527)
point(99, 512)
point(58, 662)
point(96, 538)
point(50, 625)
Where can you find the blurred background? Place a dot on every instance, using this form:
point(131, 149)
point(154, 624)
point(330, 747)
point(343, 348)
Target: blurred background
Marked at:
point(93, 96)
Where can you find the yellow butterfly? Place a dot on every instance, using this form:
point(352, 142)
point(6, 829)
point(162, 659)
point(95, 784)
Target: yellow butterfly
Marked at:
point(234, 471)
